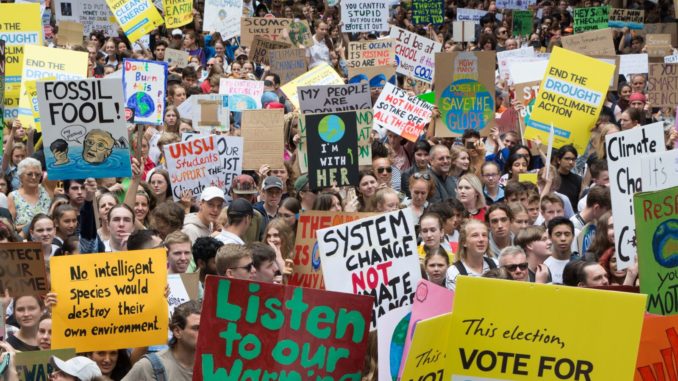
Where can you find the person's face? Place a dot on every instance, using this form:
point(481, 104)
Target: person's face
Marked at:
point(235, 68)
point(280, 173)
point(511, 44)
point(109, 48)
point(31, 176)
point(552, 210)
point(516, 265)
point(520, 221)
point(533, 212)
point(247, 68)
point(595, 276)
point(59, 375)
point(518, 166)
point(43, 231)
point(3, 185)
point(368, 186)
point(188, 41)
point(625, 92)
point(266, 272)
point(567, 162)
point(421, 159)
point(160, 52)
point(287, 215)
point(159, 184)
point(179, 96)
point(76, 193)
point(121, 224)
point(67, 223)
point(614, 270)
point(382, 168)
point(502, 33)
point(436, 268)
point(91, 53)
point(510, 141)
point(638, 84)
point(562, 236)
point(273, 238)
point(441, 162)
point(244, 269)
point(106, 360)
point(106, 203)
point(491, 176)
point(419, 191)
point(179, 256)
point(188, 337)
point(603, 179)
point(211, 209)
point(466, 194)
point(542, 247)
point(625, 120)
point(122, 47)
point(476, 239)
point(463, 161)
point(390, 203)
point(430, 231)
point(97, 148)
point(500, 224)
point(18, 155)
point(27, 311)
point(219, 49)
point(272, 197)
point(610, 229)
point(639, 105)
point(336, 205)
point(170, 118)
point(45, 334)
point(321, 31)
point(141, 207)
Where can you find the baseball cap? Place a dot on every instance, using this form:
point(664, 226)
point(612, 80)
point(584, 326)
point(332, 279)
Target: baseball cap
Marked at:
point(240, 207)
point(177, 32)
point(79, 367)
point(272, 182)
point(211, 193)
point(300, 183)
point(244, 184)
point(239, 52)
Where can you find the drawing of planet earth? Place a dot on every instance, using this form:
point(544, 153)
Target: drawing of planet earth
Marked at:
point(331, 129)
point(398, 345)
point(141, 103)
point(665, 243)
point(241, 102)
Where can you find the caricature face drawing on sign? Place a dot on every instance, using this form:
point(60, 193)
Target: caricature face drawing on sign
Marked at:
point(98, 146)
point(59, 149)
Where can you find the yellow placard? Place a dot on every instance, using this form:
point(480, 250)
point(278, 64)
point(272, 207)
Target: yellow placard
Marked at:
point(570, 98)
point(427, 358)
point(137, 18)
point(177, 12)
point(41, 63)
point(31, 94)
point(524, 331)
point(20, 26)
point(528, 177)
point(322, 74)
point(109, 301)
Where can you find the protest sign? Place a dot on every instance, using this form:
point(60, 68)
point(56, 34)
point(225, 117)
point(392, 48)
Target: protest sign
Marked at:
point(177, 12)
point(523, 72)
point(322, 74)
point(371, 53)
point(505, 56)
point(175, 57)
point(463, 31)
point(427, 358)
point(261, 47)
point(364, 119)
point(334, 98)
point(300, 342)
point(426, 12)
point(242, 94)
point(633, 64)
point(522, 23)
point(36, 366)
point(623, 150)
point(137, 18)
point(376, 76)
point(414, 54)
point(671, 59)
point(657, 235)
point(145, 88)
point(658, 45)
point(263, 132)
point(364, 16)
point(662, 85)
point(223, 16)
point(94, 15)
point(391, 330)
point(274, 29)
point(663, 28)
point(525, 95)
point(614, 61)
point(470, 14)
point(590, 18)
point(70, 33)
point(210, 110)
point(2, 80)
point(570, 98)
point(496, 339)
point(22, 269)
point(182, 288)
point(332, 149)
point(378, 254)
point(401, 113)
point(84, 127)
point(288, 63)
point(465, 93)
point(109, 301)
point(515, 4)
point(213, 160)
point(658, 349)
point(20, 27)
point(591, 43)
point(629, 18)
point(307, 271)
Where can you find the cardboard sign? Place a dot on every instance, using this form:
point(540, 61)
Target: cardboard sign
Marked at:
point(623, 150)
point(376, 76)
point(223, 16)
point(658, 45)
point(23, 269)
point(590, 18)
point(182, 288)
point(307, 271)
point(506, 56)
point(322, 74)
point(401, 113)
point(332, 149)
point(662, 85)
point(663, 28)
point(655, 218)
point(470, 14)
point(633, 64)
point(70, 33)
point(177, 12)
point(292, 338)
point(137, 18)
point(570, 98)
point(379, 256)
point(591, 43)
point(658, 348)
point(213, 160)
point(426, 12)
point(210, 110)
point(523, 24)
point(415, 54)
point(175, 57)
point(242, 94)
point(145, 85)
point(263, 132)
point(261, 47)
point(465, 92)
point(84, 128)
point(515, 4)
point(463, 31)
point(274, 29)
point(25, 29)
point(93, 15)
point(288, 63)
point(371, 53)
point(35, 365)
point(629, 18)
point(361, 16)
point(334, 98)
point(671, 59)
point(536, 343)
point(111, 300)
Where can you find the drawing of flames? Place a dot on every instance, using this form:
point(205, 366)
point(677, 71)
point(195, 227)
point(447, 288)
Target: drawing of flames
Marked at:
point(659, 371)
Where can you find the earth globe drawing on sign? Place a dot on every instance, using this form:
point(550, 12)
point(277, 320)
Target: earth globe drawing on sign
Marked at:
point(665, 244)
point(331, 128)
point(141, 103)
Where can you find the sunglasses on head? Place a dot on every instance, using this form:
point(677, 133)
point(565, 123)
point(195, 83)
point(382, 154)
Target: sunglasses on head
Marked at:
point(420, 175)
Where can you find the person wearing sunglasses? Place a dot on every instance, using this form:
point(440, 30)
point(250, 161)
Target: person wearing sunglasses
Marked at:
point(514, 260)
point(235, 261)
point(385, 172)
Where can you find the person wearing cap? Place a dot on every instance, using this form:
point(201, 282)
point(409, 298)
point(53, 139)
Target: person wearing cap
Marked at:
point(244, 187)
point(78, 368)
point(305, 195)
point(177, 39)
point(200, 224)
point(272, 194)
point(239, 218)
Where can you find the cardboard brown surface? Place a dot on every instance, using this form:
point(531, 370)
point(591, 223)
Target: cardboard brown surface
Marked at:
point(263, 134)
point(592, 43)
point(288, 63)
point(261, 47)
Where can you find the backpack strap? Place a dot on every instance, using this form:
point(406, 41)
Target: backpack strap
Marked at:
point(490, 262)
point(158, 368)
point(460, 267)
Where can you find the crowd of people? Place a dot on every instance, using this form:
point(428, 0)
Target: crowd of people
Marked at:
point(475, 217)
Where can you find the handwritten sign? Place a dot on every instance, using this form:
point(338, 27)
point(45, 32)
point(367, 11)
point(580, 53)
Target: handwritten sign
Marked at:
point(182, 288)
point(177, 12)
point(93, 15)
point(70, 33)
point(23, 269)
point(242, 94)
point(223, 16)
point(662, 85)
point(415, 54)
point(175, 57)
point(109, 301)
point(401, 113)
point(658, 45)
point(658, 341)
point(371, 53)
point(210, 111)
point(263, 133)
point(590, 18)
point(288, 63)
point(145, 88)
point(428, 12)
point(253, 344)
point(591, 43)
point(136, 17)
point(36, 366)
point(261, 47)
point(322, 74)
point(630, 18)
point(522, 23)
point(273, 29)
point(364, 16)
point(633, 64)
point(470, 14)
point(376, 76)
point(515, 4)
point(334, 98)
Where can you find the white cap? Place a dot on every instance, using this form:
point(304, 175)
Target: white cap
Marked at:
point(177, 32)
point(212, 192)
point(79, 367)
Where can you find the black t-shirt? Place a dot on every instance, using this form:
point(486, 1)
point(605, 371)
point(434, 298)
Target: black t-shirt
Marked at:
point(570, 185)
point(20, 345)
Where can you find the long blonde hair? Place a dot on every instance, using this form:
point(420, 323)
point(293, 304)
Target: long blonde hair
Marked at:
point(463, 236)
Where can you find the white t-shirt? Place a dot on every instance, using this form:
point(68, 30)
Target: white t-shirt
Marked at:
point(228, 237)
point(556, 266)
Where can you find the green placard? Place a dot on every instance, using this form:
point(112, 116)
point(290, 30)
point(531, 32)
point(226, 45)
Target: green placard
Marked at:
point(591, 18)
point(34, 365)
point(656, 215)
point(523, 24)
